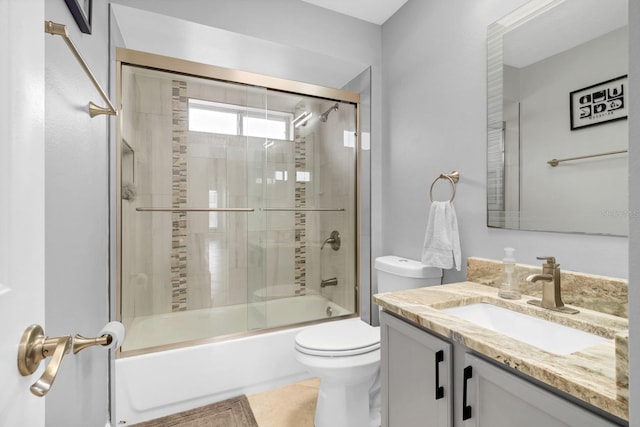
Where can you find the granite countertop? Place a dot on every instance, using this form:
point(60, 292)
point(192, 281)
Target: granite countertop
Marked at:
point(596, 375)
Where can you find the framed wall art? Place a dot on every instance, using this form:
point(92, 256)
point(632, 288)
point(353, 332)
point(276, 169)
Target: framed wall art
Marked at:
point(81, 11)
point(599, 103)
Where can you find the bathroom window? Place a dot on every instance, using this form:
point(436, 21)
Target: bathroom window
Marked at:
point(229, 119)
point(212, 121)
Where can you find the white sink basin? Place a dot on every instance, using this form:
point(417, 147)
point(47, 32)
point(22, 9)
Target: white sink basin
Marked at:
point(546, 335)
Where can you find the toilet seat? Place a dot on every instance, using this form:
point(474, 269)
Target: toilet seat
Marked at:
point(339, 339)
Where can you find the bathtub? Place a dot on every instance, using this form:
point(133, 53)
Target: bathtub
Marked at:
point(157, 384)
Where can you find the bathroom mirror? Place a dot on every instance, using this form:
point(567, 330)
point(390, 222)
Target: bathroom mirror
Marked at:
point(557, 90)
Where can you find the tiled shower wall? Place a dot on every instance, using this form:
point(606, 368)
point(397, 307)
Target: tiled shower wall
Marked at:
point(146, 237)
point(336, 164)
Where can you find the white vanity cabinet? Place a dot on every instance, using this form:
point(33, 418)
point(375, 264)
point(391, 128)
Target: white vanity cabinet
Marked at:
point(416, 378)
point(475, 393)
point(497, 398)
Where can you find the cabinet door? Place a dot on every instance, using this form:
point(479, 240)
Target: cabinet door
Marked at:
point(416, 376)
point(497, 398)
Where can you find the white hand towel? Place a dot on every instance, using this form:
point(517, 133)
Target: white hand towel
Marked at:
point(441, 241)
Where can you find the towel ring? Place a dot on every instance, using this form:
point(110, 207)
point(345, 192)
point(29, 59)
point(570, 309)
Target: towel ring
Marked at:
point(453, 178)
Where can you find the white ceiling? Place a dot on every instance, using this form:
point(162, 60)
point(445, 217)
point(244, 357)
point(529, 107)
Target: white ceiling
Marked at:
point(375, 11)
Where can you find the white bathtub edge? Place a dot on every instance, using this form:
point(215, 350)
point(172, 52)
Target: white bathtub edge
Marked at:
point(158, 384)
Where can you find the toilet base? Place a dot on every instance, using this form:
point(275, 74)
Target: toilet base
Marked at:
point(375, 402)
point(345, 406)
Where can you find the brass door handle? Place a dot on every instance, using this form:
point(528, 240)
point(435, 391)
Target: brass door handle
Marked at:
point(35, 347)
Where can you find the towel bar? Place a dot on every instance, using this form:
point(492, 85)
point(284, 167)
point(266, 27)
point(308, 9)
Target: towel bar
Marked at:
point(94, 110)
point(555, 162)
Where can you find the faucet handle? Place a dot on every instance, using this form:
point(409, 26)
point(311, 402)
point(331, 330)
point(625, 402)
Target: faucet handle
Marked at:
point(548, 259)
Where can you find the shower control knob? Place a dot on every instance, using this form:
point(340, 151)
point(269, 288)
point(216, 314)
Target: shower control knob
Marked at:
point(333, 240)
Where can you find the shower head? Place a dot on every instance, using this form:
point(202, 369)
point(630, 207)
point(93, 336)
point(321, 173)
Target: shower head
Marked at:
point(325, 115)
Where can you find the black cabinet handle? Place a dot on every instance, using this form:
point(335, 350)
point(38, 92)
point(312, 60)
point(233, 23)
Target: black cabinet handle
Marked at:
point(466, 409)
point(439, 388)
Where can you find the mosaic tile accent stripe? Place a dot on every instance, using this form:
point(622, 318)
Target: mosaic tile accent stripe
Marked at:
point(179, 196)
point(300, 225)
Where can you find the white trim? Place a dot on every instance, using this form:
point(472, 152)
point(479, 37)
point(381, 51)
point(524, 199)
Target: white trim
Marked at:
point(22, 85)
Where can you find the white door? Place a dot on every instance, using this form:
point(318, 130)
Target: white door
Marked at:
point(21, 200)
point(39, 77)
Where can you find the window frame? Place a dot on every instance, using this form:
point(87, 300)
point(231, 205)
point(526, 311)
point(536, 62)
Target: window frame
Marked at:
point(242, 112)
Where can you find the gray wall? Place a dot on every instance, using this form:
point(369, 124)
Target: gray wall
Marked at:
point(596, 186)
point(434, 82)
point(288, 22)
point(76, 216)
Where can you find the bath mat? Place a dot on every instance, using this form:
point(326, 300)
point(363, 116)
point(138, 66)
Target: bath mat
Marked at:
point(234, 412)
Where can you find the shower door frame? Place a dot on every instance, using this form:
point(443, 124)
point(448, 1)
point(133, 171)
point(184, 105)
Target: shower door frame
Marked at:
point(212, 72)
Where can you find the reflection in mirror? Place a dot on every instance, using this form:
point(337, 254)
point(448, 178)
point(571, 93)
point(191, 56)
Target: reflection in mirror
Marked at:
point(557, 90)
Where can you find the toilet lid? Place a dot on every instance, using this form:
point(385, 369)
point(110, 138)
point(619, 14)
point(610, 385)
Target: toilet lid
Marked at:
point(343, 338)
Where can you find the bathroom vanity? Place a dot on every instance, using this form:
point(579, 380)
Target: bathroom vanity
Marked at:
point(438, 369)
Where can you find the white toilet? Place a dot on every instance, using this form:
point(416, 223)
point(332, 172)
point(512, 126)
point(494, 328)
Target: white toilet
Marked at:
point(345, 355)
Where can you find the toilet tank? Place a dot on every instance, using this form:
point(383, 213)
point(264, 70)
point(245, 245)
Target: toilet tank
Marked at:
point(396, 274)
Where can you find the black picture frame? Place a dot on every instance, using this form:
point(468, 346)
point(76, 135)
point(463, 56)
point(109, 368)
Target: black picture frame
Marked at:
point(599, 103)
point(81, 11)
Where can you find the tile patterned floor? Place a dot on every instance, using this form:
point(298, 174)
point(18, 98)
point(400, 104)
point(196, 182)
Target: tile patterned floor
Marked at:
point(291, 405)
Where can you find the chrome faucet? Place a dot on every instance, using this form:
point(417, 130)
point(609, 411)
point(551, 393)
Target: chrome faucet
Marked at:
point(551, 291)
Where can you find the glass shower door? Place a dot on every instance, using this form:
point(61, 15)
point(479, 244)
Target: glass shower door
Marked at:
point(237, 206)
